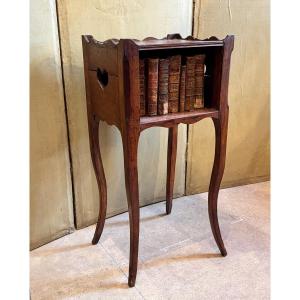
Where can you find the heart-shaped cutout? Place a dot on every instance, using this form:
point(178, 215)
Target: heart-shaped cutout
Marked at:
point(102, 76)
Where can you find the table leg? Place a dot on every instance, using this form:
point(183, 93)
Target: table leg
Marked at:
point(171, 162)
point(221, 125)
point(130, 148)
point(100, 176)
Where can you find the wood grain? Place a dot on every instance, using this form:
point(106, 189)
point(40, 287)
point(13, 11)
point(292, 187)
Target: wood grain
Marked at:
point(171, 162)
point(118, 103)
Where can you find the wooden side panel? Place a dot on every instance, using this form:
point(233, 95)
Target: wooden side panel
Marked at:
point(104, 57)
point(107, 19)
point(248, 153)
point(104, 101)
point(51, 209)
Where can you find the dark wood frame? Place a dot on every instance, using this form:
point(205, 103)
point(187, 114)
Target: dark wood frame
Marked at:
point(112, 94)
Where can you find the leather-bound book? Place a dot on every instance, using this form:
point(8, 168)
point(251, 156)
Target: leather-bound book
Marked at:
point(163, 81)
point(190, 84)
point(199, 80)
point(152, 86)
point(174, 81)
point(142, 88)
point(182, 88)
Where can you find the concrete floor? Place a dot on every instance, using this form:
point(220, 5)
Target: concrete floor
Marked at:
point(178, 256)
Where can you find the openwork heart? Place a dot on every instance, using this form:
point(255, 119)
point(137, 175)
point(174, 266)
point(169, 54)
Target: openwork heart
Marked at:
point(102, 76)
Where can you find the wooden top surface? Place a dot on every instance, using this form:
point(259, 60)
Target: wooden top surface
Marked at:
point(175, 43)
point(151, 43)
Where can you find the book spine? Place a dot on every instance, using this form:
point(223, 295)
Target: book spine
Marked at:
point(199, 81)
point(163, 81)
point(174, 81)
point(152, 85)
point(142, 88)
point(182, 88)
point(190, 84)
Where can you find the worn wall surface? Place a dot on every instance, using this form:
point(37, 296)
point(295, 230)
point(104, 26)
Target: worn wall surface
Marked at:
point(51, 212)
point(120, 19)
point(248, 157)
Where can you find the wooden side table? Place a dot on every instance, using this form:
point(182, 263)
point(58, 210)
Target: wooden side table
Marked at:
point(112, 94)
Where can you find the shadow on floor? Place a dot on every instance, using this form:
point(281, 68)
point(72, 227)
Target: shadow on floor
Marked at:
point(85, 284)
point(126, 222)
point(178, 259)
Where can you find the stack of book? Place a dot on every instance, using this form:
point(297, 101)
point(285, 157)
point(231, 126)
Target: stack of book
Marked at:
point(171, 84)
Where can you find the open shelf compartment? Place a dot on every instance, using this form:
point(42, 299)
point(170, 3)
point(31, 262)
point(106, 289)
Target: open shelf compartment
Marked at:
point(213, 52)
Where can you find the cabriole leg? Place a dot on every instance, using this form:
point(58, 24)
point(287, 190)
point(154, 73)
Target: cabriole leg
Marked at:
point(130, 148)
point(100, 176)
point(171, 162)
point(221, 125)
